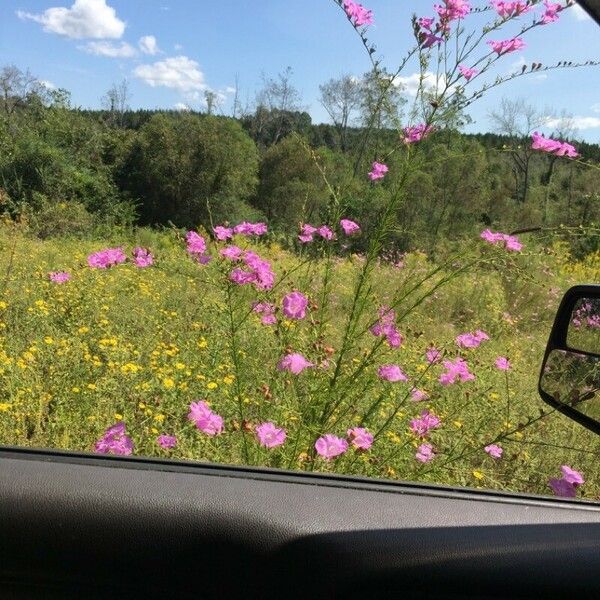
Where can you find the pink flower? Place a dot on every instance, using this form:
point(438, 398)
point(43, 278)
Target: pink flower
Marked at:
point(326, 233)
point(386, 327)
point(294, 305)
point(115, 441)
point(267, 311)
point(453, 9)
point(392, 373)
point(329, 446)
point(167, 441)
point(294, 363)
point(433, 355)
point(551, 146)
point(425, 453)
point(421, 426)
point(455, 370)
point(269, 435)
point(231, 252)
point(551, 13)
point(506, 46)
point(349, 227)
point(510, 9)
point(428, 39)
point(250, 228)
point(562, 488)
point(572, 476)
point(467, 72)
point(502, 363)
point(205, 419)
point(418, 395)
point(59, 276)
point(307, 233)
point(510, 242)
point(471, 340)
point(223, 233)
point(260, 274)
point(358, 14)
point(378, 171)
point(142, 257)
point(416, 133)
point(106, 258)
point(426, 23)
point(494, 451)
point(195, 243)
point(360, 438)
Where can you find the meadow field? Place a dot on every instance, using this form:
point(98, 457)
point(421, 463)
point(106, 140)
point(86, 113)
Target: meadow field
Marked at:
point(136, 342)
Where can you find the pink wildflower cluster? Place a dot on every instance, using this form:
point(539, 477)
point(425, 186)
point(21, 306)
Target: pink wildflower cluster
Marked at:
point(452, 10)
point(360, 438)
point(196, 246)
point(433, 355)
point(378, 171)
point(259, 272)
point(422, 425)
point(59, 276)
point(115, 441)
point(223, 233)
point(425, 453)
point(567, 485)
point(329, 446)
point(386, 327)
point(506, 10)
point(267, 312)
point(142, 257)
point(294, 363)
point(551, 13)
point(551, 146)
point(295, 305)
point(166, 441)
point(417, 395)
point(392, 373)
point(506, 46)
point(106, 258)
point(586, 315)
point(510, 242)
point(308, 232)
point(349, 227)
point(416, 133)
point(457, 369)
point(502, 363)
point(269, 435)
point(205, 419)
point(467, 72)
point(471, 340)
point(358, 14)
point(494, 451)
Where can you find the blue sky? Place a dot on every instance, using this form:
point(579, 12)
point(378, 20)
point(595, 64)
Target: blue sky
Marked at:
point(171, 50)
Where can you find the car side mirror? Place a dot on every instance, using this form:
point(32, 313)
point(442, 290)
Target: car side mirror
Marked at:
point(570, 375)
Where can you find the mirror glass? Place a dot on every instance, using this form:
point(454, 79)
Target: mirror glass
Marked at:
point(574, 379)
point(584, 328)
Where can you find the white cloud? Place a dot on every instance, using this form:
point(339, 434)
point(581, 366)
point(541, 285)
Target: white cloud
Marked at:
point(85, 19)
point(579, 13)
point(47, 84)
point(122, 50)
point(177, 47)
point(230, 90)
point(576, 122)
point(148, 45)
point(596, 107)
point(410, 84)
point(179, 73)
point(181, 106)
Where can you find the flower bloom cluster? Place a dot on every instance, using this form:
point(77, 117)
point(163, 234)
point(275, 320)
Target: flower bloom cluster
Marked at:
point(115, 441)
point(416, 133)
point(329, 446)
point(259, 272)
point(307, 233)
point(551, 146)
point(505, 46)
point(507, 10)
point(425, 453)
point(502, 363)
point(269, 435)
point(391, 373)
point(567, 485)
point(294, 363)
point(358, 14)
point(471, 340)
point(378, 171)
point(586, 315)
point(196, 246)
point(386, 327)
point(223, 233)
point(106, 258)
point(452, 10)
point(510, 242)
point(59, 276)
point(142, 257)
point(267, 312)
point(166, 441)
point(551, 13)
point(421, 426)
point(455, 370)
point(433, 355)
point(494, 451)
point(205, 419)
point(417, 395)
point(349, 227)
point(295, 305)
point(467, 72)
point(360, 438)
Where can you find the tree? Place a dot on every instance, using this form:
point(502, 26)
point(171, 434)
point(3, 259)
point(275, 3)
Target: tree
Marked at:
point(341, 98)
point(16, 87)
point(116, 102)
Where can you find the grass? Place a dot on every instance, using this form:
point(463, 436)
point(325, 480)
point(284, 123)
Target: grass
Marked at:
point(139, 345)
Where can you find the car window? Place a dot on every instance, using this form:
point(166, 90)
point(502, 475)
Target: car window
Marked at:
point(317, 236)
